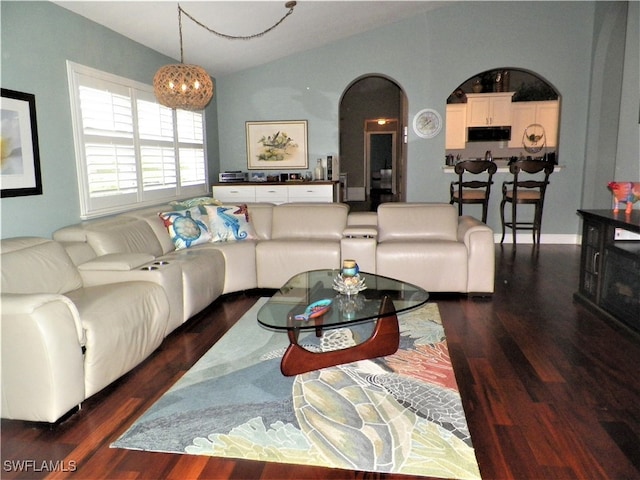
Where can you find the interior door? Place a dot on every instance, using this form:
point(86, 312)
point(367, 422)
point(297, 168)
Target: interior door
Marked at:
point(380, 161)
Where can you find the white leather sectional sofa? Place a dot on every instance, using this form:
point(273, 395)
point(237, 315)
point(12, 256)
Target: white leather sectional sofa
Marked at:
point(63, 340)
point(84, 308)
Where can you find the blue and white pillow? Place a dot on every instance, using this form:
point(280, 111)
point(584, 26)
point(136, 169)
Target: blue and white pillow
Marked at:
point(230, 223)
point(187, 227)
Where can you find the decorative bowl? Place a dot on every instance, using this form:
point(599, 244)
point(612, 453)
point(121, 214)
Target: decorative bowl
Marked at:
point(349, 285)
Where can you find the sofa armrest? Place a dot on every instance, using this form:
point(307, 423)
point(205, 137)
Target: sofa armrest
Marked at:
point(359, 243)
point(126, 267)
point(467, 225)
point(478, 238)
point(42, 357)
point(121, 262)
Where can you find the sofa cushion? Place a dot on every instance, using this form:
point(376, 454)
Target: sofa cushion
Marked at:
point(230, 223)
point(150, 215)
point(203, 273)
point(362, 219)
point(187, 227)
point(118, 339)
point(417, 221)
point(279, 260)
point(435, 265)
point(240, 264)
point(36, 265)
point(312, 221)
point(261, 215)
point(123, 235)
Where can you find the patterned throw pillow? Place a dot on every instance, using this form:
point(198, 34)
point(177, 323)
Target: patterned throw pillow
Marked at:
point(230, 223)
point(194, 202)
point(187, 227)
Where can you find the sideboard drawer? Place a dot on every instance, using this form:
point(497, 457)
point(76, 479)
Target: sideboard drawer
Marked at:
point(310, 193)
point(234, 193)
point(272, 194)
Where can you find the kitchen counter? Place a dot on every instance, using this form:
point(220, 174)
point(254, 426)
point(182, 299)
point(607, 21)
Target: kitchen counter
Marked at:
point(503, 167)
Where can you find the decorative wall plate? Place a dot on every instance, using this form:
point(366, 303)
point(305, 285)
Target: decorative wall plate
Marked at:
point(427, 123)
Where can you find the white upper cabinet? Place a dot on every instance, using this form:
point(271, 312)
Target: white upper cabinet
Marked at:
point(456, 130)
point(544, 113)
point(548, 114)
point(489, 109)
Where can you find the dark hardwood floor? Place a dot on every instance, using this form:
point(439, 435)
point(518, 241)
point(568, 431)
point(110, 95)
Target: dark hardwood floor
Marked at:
point(550, 390)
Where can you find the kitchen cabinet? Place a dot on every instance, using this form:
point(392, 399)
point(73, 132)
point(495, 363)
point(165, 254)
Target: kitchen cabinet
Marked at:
point(489, 109)
point(544, 113)
point(547, 115)
point(456, 130)
point(610, 267)
point(276, 192)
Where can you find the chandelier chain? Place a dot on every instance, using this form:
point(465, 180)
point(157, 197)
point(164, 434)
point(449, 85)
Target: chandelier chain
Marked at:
point(180, 32)
point(189, 87)
point(290, 5)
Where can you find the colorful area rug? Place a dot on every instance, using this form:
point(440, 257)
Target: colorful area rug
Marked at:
point(401, 413)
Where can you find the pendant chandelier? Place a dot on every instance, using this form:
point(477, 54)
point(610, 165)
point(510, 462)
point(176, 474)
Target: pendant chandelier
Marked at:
point(189, 87)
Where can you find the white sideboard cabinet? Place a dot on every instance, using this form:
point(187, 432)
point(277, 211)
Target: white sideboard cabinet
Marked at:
point(277, 193)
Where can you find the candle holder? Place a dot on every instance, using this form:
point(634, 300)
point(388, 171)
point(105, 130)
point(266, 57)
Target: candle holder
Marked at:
point(349, 305)
point(349, 285)
point(350, 268)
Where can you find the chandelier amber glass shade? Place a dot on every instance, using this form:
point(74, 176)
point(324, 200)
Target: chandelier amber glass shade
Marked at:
point(187, 87)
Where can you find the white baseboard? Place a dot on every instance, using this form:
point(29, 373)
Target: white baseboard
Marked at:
point(549, 238)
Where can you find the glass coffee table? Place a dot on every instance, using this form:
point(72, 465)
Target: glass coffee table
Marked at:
point(380, 302)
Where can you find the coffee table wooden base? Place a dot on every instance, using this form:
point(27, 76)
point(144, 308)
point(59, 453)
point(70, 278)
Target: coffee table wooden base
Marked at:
point(384, 340)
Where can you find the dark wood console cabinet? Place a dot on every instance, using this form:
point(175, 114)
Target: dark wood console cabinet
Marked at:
point(609, 266)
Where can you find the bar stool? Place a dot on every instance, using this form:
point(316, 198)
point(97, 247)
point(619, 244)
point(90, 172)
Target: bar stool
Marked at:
point(475, 191)
point(525, 192)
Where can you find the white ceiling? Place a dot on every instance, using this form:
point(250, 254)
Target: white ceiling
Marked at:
point(312, 24)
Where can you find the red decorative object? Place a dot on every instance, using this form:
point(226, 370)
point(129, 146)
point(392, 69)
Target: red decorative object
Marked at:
point(627, 192)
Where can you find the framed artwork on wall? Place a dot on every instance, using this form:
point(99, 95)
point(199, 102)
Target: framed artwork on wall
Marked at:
point(19, 154)
point(277, 145)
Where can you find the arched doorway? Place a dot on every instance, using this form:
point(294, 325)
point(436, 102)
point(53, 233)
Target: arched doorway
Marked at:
point(372, 141)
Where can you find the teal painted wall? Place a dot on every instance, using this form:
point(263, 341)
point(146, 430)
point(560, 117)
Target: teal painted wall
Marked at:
point(37, 40)
point(612, 141)
point(429, 55)
point(629, 129)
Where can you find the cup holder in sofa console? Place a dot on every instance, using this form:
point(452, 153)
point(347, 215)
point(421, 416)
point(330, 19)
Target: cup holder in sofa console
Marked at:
point(155, 265)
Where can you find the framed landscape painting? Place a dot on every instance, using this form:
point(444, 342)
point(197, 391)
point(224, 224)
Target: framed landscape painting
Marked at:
point(19, 155)
point(280, 145)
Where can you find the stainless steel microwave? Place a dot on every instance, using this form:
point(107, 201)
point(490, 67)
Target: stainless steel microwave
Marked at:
point(488, 134)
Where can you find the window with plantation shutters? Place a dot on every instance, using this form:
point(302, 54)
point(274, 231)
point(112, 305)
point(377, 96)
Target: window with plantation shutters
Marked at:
point(130, 150)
